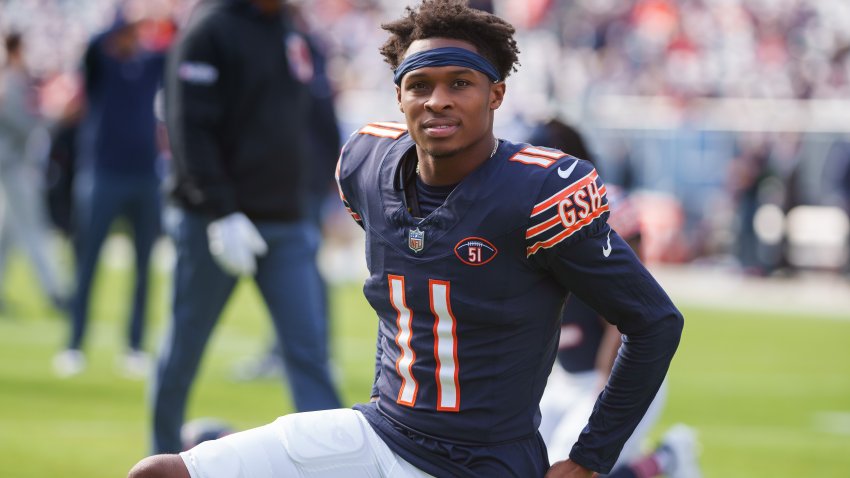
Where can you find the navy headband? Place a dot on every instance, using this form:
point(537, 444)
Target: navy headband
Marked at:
point(448, 56)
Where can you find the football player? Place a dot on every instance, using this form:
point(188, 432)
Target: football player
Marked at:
point(472, 244)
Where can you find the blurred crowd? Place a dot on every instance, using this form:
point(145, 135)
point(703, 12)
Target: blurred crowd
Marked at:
point(703, 48)
point(681, 49)
point(710, 182)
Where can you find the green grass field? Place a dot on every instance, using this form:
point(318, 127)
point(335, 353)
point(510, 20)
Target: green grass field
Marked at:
point(769, 394)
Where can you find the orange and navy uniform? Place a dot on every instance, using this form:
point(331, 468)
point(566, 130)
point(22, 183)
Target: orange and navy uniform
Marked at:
point(469, 300)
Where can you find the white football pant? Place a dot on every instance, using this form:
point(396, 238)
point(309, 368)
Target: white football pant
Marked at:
point(321, 444)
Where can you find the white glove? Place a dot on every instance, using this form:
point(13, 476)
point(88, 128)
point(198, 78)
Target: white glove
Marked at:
point(234, 244)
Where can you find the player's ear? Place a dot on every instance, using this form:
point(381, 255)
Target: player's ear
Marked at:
point(497, 94)
point(398, 98)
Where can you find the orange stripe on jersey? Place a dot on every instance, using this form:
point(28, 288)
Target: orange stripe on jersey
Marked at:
point(566, 232)
point(354, 215)
point(566, 192)
point(537, 157)
point(534, 160)
point(384, 130)
point(560, 195)
point(532, 151)
point(552, 221)
point(390, 125)
point(543, 227)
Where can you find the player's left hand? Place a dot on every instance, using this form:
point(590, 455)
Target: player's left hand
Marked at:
point(569, 469)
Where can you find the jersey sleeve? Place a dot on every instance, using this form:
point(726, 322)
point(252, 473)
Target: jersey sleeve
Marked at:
point(344, 187)
point(568, 236)
point(571, 205)
point(353, 178)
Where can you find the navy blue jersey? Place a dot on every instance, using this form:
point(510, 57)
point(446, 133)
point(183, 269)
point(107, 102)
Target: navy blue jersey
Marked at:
point(469, 303)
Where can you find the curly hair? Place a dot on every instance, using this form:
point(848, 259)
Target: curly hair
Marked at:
point(454, 19)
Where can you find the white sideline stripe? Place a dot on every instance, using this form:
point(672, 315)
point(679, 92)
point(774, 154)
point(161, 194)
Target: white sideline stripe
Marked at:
point(837, 423)
point(814, 296)
point(722, 114)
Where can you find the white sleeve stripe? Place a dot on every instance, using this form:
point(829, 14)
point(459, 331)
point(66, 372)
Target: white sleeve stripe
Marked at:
point(542, 152)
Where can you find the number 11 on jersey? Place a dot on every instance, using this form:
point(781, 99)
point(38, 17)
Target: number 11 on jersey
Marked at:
point(445, 344)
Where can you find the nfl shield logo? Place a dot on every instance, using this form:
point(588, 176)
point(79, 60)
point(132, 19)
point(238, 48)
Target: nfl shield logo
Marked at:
point(416, 240)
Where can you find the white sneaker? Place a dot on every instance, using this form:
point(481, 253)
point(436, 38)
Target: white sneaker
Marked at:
point(69, 363)
point(136, 364)
point(681, 448)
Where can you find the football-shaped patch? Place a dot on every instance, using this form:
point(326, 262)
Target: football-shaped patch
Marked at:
point(475, 251)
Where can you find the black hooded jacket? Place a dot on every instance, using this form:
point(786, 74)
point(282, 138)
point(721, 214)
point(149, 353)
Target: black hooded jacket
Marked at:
point(235, 113)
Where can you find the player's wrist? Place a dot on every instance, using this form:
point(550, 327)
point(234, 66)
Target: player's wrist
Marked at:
point(569, 469)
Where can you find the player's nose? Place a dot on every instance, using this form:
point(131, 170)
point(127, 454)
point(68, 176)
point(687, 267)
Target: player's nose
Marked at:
point(440, 98)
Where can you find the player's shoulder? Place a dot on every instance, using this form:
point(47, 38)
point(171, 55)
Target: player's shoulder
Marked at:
point(548, 169)
point(376, 135)
point(568, 195)
point(383, 131)
point(537, 158)
point(369, 141)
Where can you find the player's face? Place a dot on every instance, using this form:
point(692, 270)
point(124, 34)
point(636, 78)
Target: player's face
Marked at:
point(449, 109)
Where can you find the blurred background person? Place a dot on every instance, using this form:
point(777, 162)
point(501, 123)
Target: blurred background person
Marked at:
point(557, 133)
point(236, 100)
point(837, 174)
point(24, 212)
point(323, 146)
point(748, 175)
point(117, 175)
point(62, 95)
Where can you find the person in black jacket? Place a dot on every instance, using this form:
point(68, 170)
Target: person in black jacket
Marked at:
point(235, 100)
point(323, 145)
